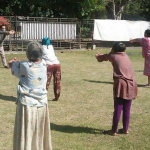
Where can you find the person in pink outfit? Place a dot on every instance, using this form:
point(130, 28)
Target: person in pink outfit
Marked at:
point(124, 87)
point(145, 43)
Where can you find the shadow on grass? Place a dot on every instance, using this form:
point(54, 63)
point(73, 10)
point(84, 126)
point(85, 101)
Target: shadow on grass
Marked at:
point(109, 132)
point(73, 129)
point(139, 85)
point(4, 68)
point(7, 98)
point(98, 81)
point(143, 86)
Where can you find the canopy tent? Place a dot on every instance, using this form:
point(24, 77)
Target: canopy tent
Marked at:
point(119, 30)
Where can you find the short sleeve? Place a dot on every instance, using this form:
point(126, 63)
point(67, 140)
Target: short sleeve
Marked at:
point(142, 41)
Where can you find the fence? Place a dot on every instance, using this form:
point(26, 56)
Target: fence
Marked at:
point(65, 33)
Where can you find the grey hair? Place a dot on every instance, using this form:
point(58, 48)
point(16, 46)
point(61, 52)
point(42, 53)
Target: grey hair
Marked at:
point(34, 51)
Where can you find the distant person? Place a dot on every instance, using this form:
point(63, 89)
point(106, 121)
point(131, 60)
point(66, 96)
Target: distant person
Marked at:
point(3, 34)
point(145, 43)
point(32, 123)
point(53, 67)
point(124, 88)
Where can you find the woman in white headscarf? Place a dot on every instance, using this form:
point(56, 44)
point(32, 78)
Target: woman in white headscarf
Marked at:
point(53, 67)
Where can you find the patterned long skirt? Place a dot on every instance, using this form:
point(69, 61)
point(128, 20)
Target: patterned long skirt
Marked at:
point(32, 128)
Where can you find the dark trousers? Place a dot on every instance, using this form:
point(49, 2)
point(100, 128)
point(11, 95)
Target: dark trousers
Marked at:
point(55, 71)
point(121, 105)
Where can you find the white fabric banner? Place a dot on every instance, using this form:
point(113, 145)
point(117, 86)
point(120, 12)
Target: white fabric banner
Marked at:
point(119, 30)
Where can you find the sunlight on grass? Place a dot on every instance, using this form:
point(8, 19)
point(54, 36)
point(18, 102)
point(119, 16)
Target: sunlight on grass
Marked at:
point(85, 107)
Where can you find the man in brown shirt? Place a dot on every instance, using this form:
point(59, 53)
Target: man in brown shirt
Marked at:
point(125, 86)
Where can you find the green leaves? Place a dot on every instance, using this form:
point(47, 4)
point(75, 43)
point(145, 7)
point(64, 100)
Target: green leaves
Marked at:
point(81, 9)
point(145, 6)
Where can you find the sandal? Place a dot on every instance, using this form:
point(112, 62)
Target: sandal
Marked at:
point(124, 131)
point(110, 132)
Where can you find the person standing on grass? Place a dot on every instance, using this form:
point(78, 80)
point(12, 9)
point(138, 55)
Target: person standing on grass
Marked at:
point(145, 43)
point(3, 34)
point(32, 123)
point(53, 67)
point(125, 86)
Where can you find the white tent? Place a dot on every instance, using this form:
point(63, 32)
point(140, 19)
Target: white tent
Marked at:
point(119, 30)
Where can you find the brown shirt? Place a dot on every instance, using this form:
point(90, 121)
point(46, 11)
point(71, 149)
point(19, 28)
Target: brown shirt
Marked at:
point(125, 85)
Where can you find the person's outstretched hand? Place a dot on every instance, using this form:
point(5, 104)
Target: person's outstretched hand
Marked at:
point(98, 54)
point(131, 41)
point(11, 61)
point(11, 32)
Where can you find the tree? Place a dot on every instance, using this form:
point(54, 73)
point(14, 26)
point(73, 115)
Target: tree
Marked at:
point(36, 8)
point(133, 11)
point(80, 9)
point(145, 6)
point(115, 8)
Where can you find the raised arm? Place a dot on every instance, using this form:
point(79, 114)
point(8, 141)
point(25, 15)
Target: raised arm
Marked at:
point(7, 32)
point(12, 61)
point(102, 57)
point(134, 40)
point(11, 32)
point(14, 64)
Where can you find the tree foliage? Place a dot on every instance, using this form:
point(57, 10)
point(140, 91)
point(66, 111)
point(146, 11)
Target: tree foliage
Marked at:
point(81, 9)
point(52, 8)
point(145, 6)
point(115, 8)
point(133, 11)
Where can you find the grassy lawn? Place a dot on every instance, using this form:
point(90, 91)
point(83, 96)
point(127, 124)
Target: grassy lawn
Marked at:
point(85, 107)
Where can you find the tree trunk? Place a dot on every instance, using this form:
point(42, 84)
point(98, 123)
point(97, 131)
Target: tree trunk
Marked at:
point(115, 9)
point(119, 13)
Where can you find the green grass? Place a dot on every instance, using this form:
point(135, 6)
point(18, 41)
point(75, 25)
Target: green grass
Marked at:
point(85, 107)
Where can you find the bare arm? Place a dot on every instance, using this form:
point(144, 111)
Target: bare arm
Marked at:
point(102, 57)
point(4, 32)
point(134, 40)
point(11, 61)
point(11, 32)
point(7, 32)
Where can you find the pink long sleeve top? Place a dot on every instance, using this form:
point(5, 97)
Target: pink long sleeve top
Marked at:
point(125, 85)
